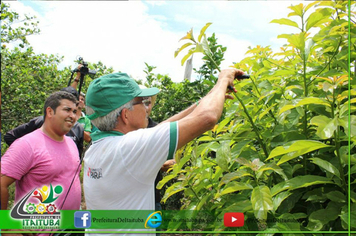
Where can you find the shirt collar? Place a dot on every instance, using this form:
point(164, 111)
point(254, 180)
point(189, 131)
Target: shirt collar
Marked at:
point(103, 134)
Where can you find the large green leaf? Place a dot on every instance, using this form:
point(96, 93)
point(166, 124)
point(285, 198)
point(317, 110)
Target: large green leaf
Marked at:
point(349, 126)
point(305, 101)
point(206, 138)
point(261, 200)
point(190, 52)
point(164, 181)
point(285, 21)
point(296, 149)
point(319, 17)
point(180, 164)
point(307, 180)
point(238, 205)
point(217, 174)
point(319, 218)
point(202, 31)
point(326, 166)
point(296, 40)
point(233, 175)
point(222, 124)
point(326, 126)
point(310, 5)
point(233, 187)
point(299, 182)
point(223, 155)
point(273, 167)
point(345, 216)
point(352, 170)
point(181, 48)
point(336, 196)
point(279, 198)
point(297, 10)
point(203, 201)
point(173, 189)
point(289, 225)
point(206, 48)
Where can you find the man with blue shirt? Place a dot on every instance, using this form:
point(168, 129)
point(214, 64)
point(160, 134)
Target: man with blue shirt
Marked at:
point(122, 163)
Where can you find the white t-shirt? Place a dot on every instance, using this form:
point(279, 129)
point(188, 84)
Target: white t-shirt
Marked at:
point(119, 171)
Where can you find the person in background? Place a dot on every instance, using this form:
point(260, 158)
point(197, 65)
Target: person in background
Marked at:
point(76, 133)
point(82, 119)
point(46, 157)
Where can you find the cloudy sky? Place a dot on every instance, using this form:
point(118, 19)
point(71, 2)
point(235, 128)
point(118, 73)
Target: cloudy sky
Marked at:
point(126, 34)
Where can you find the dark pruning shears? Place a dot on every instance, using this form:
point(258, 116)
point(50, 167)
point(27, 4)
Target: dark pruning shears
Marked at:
point(244, 76)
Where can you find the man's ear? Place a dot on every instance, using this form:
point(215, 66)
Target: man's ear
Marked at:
point(49, 112)
point(124, 115)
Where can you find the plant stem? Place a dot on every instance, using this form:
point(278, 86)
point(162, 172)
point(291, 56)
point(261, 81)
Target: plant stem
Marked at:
point(196, 195)
point(328, 64)
point(253, 125)
point(247, 113)
point(305, 121)
point(337, 144)
point(270, 112)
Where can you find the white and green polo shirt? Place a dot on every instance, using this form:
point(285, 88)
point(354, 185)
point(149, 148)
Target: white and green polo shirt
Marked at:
point(119, 170)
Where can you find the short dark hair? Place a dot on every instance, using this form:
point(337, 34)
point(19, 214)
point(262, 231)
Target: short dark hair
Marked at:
point(54, 100)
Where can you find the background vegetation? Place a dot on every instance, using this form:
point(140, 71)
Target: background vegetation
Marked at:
point(282, 148)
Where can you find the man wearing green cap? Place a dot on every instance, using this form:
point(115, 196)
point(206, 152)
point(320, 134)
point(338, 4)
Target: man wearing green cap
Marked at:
point(122, 163)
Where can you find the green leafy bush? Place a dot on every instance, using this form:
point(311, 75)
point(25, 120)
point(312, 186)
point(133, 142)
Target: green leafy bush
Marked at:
point(281, 151)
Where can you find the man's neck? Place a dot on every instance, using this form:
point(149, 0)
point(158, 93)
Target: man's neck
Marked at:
point(123, 131)
point(50, 133)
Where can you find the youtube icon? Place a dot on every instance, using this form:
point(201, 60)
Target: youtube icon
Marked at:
point(234, 219)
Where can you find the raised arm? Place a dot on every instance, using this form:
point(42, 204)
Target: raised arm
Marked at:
point(207, 114)
point(77, 78)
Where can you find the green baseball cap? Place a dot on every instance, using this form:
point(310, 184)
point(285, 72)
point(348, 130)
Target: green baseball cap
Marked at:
point(111, 91)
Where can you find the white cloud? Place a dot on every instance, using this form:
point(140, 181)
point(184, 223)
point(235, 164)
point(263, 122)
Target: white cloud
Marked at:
point(236, 50)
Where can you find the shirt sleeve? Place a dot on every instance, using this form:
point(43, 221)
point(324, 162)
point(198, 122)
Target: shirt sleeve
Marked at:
point(17, 160)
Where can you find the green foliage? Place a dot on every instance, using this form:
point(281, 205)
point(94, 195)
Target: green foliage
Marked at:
point(281, 151)
point(208, 70)
point(25, 27)
point(201, 45)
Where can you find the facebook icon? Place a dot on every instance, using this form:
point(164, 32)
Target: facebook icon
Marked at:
point(82, 219)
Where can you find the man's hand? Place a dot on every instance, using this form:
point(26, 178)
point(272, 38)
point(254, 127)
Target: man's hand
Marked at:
point(78, 72)
point(168, 164)
point(230, 75)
